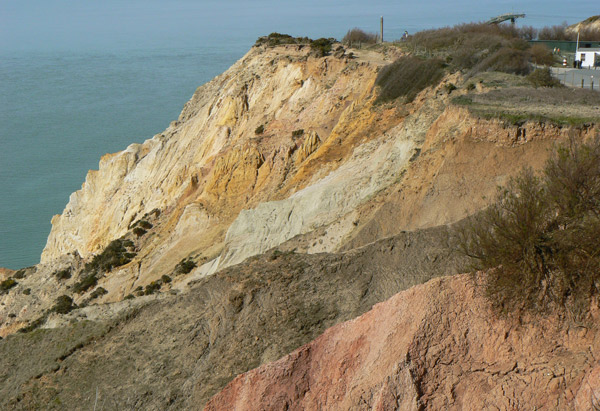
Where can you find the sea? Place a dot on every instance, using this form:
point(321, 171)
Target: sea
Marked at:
point(79, 79)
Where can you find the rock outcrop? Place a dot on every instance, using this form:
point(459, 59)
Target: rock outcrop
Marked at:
point(435, 346)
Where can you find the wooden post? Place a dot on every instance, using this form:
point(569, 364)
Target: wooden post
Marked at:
point(381, 29)
point(581, 83)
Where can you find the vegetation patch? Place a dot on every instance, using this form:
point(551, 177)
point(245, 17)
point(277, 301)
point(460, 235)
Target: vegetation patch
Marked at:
point(98, 292)
point(542, 77)
point(516, 105)
point(184, 266)
point(541, 236)
point(7, 285)
point(320, 47)
point(63, 305)
point(358, 37)
point(259, 130)
point(406, 77)
point(297, 133)
point(88, 281)
point(63, 274)
point(117, 253)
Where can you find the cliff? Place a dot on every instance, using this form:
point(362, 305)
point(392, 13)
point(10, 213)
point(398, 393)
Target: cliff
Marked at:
point(282, 201)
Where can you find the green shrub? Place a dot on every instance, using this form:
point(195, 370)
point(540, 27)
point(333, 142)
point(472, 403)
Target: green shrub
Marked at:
point(63, 305)
point(541, 236)
point(276, 39)
point(98, 292)
point(357, 36)
point(19, 274)
point(165, 279)
point(88, 281)
point(63, 274)
point(129, 297)
point(259, 130)
point(114, 255)
point(321, 47)
point(153, 287)
point(542, 77)
point(185, 266)
point(297, 133)
point(27, 291)
point(470, 86)
point(7, 285)
point(450, 88)
point(406, 77)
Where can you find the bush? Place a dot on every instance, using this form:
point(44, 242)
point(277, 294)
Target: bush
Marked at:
point(185, 266)
point(506, 60)
point(543, 78)
point(358, 36)
point(406, 77)
point(7, 285)
point(165, 279)
point(540, 54)
point(321, 47)
point(98, 292)
point(114, 255)
point(27, 291)
point(19, 274)
point(63, 305)
point(259, 130)
point(541, 236)
point(63, 274)
point(88, 281)
point(297, 133)
point(153, 287)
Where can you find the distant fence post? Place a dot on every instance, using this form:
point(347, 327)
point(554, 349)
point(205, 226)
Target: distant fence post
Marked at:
point(582, 83)
point(381, 28)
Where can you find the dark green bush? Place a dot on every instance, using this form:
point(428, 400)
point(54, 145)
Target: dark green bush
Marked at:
point(19, 274)
point(63, 274)
point(165, 279)
point(542, 77)
point(63, 305)
point(276, 39)
point(27, 291)
point(7, 285)
point(357, 36)
point(114, 255)
point(88, 281)
point(259, 130)
point(406, 77)
point(297, 133)
point(322, 47)
point(129, 297)
point(541, 236)
point(153, 287)
point(98, 292)
point(185, 266)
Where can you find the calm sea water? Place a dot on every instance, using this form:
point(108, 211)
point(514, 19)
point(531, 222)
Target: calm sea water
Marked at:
point(81, 79)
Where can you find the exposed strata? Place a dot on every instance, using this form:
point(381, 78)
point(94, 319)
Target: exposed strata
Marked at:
point(435, 346)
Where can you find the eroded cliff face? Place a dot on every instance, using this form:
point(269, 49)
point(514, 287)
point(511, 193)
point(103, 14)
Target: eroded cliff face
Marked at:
point(212, 162)
point(435, 346)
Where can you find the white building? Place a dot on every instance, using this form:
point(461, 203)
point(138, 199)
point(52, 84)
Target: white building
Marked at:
point(589, 57)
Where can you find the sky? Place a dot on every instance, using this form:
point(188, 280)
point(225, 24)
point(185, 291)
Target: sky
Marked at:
point(90, 24)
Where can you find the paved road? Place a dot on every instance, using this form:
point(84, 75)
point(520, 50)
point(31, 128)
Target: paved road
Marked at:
point(572, 77)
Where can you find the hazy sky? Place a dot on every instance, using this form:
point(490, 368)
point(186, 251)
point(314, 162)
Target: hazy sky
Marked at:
point(67, 24)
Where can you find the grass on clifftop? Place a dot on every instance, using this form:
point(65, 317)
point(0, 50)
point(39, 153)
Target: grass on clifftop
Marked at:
point(516, 105)
point(541, 235)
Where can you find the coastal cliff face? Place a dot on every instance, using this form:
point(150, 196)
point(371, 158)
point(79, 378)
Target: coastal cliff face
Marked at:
point(281, 202)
